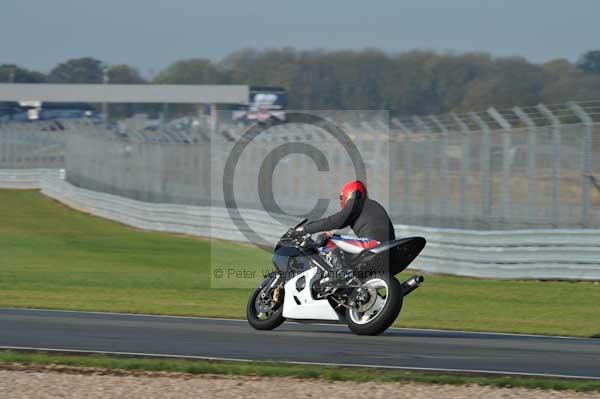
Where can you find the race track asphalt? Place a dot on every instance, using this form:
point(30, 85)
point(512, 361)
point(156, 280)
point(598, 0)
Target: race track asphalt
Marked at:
point(400, 348)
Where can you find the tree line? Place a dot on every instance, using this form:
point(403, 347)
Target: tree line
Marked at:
point(413, 82)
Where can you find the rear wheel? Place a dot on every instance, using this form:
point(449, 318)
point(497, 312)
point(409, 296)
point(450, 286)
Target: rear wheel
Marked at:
point(377, 306)
point(265, 307)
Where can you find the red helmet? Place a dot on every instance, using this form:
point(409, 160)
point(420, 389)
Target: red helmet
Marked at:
point(350, 188)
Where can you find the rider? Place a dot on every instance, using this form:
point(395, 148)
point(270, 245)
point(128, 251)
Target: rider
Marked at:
point(367, 218)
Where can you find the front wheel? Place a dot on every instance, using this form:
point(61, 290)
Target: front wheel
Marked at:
point(265, 307)
point(377, 306)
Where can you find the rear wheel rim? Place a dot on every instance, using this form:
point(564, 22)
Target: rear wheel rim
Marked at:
point(381, 289)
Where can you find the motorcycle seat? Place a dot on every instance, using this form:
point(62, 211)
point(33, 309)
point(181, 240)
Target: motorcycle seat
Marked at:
point(352, 245)
point(394, 255)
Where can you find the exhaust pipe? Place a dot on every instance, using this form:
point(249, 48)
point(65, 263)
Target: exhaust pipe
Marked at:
point(412, 284)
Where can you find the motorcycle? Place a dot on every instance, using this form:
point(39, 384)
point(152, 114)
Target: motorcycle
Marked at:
point(307, 287)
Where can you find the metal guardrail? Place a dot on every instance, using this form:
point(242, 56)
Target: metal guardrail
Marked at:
point(26, 178)
point(566, 254)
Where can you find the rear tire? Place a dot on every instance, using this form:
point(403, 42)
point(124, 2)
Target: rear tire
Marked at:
point(385, 317)
point(274, 320)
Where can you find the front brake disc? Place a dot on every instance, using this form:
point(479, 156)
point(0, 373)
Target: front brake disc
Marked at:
point(263, 304)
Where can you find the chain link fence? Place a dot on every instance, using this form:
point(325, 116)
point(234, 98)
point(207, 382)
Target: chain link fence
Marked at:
point(32, 146)
point(516, 168)
point(531, 167)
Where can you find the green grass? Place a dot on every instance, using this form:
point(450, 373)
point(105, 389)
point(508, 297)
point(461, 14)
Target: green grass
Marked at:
point(56, 258)
point(330, 373)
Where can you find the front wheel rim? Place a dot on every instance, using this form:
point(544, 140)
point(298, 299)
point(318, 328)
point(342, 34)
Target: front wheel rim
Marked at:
point(264, 305)
point(382, 291)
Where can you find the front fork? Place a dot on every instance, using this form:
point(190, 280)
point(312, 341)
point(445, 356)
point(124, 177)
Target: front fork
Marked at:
point(275, 288)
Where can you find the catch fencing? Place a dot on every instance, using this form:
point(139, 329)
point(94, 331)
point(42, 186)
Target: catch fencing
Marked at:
point(517, 168)
point(531, 167)
point(32, 145)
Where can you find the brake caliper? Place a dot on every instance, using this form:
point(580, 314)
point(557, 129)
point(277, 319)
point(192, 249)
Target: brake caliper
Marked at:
point(276, 294)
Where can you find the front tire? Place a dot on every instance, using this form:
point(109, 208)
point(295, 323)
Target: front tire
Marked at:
point(258, 318)
point(376, 320)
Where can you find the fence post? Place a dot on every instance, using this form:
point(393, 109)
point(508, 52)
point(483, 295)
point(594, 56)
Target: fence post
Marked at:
point(505, 209)
point(10, 151)
point(486, 169)
point(531, 162)
point(465, 165)
point(556, 139)
point(586, 167)
point(3, 148)
point(444, 188)
point(383, 150)
point(408, 174)
point(427, 208)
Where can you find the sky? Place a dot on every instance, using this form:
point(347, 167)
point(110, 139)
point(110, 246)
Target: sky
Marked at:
point(150, 34)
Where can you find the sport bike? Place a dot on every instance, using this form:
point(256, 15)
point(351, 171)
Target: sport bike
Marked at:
point(307, 287)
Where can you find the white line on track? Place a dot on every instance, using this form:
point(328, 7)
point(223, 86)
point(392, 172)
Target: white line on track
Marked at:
point(407, 368)
point(318, 324)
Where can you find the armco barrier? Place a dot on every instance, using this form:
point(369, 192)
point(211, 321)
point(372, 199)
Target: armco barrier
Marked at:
point(535, 254)
point(26, 178)
point(174, 218)
point(512, 254)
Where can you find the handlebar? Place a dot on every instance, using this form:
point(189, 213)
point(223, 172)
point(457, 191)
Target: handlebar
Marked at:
point(301, 223)
point(301, 242)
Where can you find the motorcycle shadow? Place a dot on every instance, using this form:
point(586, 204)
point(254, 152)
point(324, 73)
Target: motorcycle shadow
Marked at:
point(399, 333)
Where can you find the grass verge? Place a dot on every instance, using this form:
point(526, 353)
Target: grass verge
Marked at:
point(55, 258)
point(331, 373)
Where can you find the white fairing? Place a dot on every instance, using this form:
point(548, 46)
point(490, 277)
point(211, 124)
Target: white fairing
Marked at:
point(309, 308)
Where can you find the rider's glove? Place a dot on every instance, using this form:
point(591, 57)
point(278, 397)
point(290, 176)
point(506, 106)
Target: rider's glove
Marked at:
point(296, 233)
point(321, 239)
